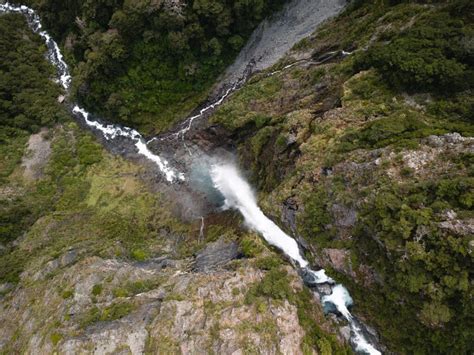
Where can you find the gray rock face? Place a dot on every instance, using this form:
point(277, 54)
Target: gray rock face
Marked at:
point(453, 138)
point(51, 266)
point(275, 36)
point(344, 216)
point(289, 210)
point(215, 255)
point(345, 332)
point(434, 141)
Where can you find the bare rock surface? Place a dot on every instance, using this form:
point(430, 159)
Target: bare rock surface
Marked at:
point(171, 311)
point(216, 254)
point(37, 156)
point(277, 35)
point(339, 259)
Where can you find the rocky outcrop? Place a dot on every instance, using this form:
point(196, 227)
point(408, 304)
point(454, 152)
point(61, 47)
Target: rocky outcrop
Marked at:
point(167, 309)
point(37, 156)
point(339, 260)
point(215, 255)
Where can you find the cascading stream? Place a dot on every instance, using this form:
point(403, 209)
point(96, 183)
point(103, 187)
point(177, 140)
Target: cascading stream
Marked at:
point(238, 195)
point(226, 179)
point(109, 132)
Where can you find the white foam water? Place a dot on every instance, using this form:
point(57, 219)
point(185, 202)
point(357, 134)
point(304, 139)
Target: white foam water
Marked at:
point(238, 195)
point(56, 58)
point(113, 131)
point(54, 53)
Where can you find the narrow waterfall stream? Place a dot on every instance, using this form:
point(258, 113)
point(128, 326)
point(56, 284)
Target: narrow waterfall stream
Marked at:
point(239, 195)
point(226, 179)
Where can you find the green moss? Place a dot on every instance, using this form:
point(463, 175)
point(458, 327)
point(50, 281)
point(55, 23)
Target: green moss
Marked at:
point(97, 289)
point(67, 294)
point(56, 338)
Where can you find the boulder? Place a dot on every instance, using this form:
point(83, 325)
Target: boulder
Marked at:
point(339, 259)
point(215, 255)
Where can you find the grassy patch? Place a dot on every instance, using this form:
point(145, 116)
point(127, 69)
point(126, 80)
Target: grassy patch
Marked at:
point(113, 312)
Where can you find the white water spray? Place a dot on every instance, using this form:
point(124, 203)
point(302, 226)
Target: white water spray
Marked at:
point(239, 195)
point(113, 131)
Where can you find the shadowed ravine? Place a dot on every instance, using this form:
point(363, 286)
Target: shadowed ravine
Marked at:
point(218, 179)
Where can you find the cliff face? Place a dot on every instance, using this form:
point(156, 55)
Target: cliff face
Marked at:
point(106, 267)
point(360, 143)
point(364, 148)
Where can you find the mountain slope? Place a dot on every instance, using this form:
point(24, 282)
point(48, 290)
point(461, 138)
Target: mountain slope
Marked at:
point(368, 156)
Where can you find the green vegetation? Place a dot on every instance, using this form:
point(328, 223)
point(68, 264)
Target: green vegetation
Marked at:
point(361, 147)
point(251, 246)
point(113, 312)
point(28, 96)
point(56, 338)
point(275, 285)
point(67, 294)
point(92, 203)
point(135, 287)
point(147, 63)
point(97, 289)
point(268, 262)
point(432, 54)
point(425, 269)
point(28, 101)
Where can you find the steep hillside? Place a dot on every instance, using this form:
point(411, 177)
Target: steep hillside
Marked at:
point(359, 141)
point(368, 156)
point(148, 63)
point(94, 259)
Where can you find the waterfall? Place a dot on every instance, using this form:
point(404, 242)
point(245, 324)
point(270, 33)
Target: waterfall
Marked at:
point(238, 195)
point(226, 179)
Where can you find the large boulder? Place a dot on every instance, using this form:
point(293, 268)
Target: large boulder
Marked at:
point(215, 255)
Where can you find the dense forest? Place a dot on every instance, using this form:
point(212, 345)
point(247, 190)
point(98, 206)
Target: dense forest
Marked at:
point(147, 63)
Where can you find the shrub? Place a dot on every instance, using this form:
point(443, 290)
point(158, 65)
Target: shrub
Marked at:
point(275, 284)
point(56, 338)
point(67, 294)
point(115, 311)
point(430, 55)
point(97, 289)
point(268, 262)
point(139, 255)
point(250, 246)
